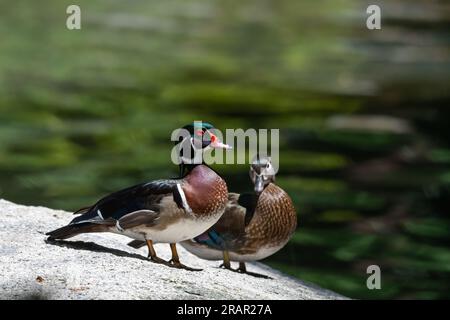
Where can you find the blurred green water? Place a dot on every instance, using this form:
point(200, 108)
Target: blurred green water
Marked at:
point(362, 114)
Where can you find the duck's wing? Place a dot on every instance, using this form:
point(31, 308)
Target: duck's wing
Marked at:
point(132, 203)
point(133, 206)
point(230, 229)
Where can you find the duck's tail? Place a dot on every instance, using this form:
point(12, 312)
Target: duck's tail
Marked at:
point(74, 229)
point(136, 244)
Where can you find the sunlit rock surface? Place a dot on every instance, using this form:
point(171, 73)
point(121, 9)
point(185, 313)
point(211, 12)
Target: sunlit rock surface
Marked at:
point(102, 266)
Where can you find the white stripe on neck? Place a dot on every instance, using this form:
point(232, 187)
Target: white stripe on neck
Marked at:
point(118, 227)
point(183, 199)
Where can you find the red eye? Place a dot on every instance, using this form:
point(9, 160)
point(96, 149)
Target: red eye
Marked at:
point(199, 132)
point(213, 138)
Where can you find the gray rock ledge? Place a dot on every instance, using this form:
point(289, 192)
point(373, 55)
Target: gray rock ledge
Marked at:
point(102, 266)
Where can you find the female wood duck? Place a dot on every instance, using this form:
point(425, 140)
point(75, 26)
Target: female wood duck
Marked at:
point(253, 227)
point(161, 211)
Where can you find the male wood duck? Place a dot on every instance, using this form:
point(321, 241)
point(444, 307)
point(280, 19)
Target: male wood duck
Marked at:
point(253, 226)
point(161, 211)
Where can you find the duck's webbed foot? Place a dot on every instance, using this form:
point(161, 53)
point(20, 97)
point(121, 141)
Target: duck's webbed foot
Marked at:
point(158, 260)
point(179, 265)
point(175, 261)
point(243, 269)
point(152, 254)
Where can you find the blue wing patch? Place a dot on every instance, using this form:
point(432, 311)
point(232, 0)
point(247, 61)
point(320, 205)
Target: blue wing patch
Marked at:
point(211, 239)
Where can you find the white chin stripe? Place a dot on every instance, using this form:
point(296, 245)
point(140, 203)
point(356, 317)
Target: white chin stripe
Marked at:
point(183, 198)
point(100, 214)
point(118, 227)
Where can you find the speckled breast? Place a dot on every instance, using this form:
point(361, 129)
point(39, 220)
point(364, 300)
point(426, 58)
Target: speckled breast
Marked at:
point(275, 219)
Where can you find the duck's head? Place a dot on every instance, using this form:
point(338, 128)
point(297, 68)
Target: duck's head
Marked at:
point(202, 136)
point(197, 137)
point(261, 173)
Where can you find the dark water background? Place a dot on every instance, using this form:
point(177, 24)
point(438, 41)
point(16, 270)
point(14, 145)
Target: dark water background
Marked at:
point(363, 118)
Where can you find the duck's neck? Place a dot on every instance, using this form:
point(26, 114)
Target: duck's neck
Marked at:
point(187, 168)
